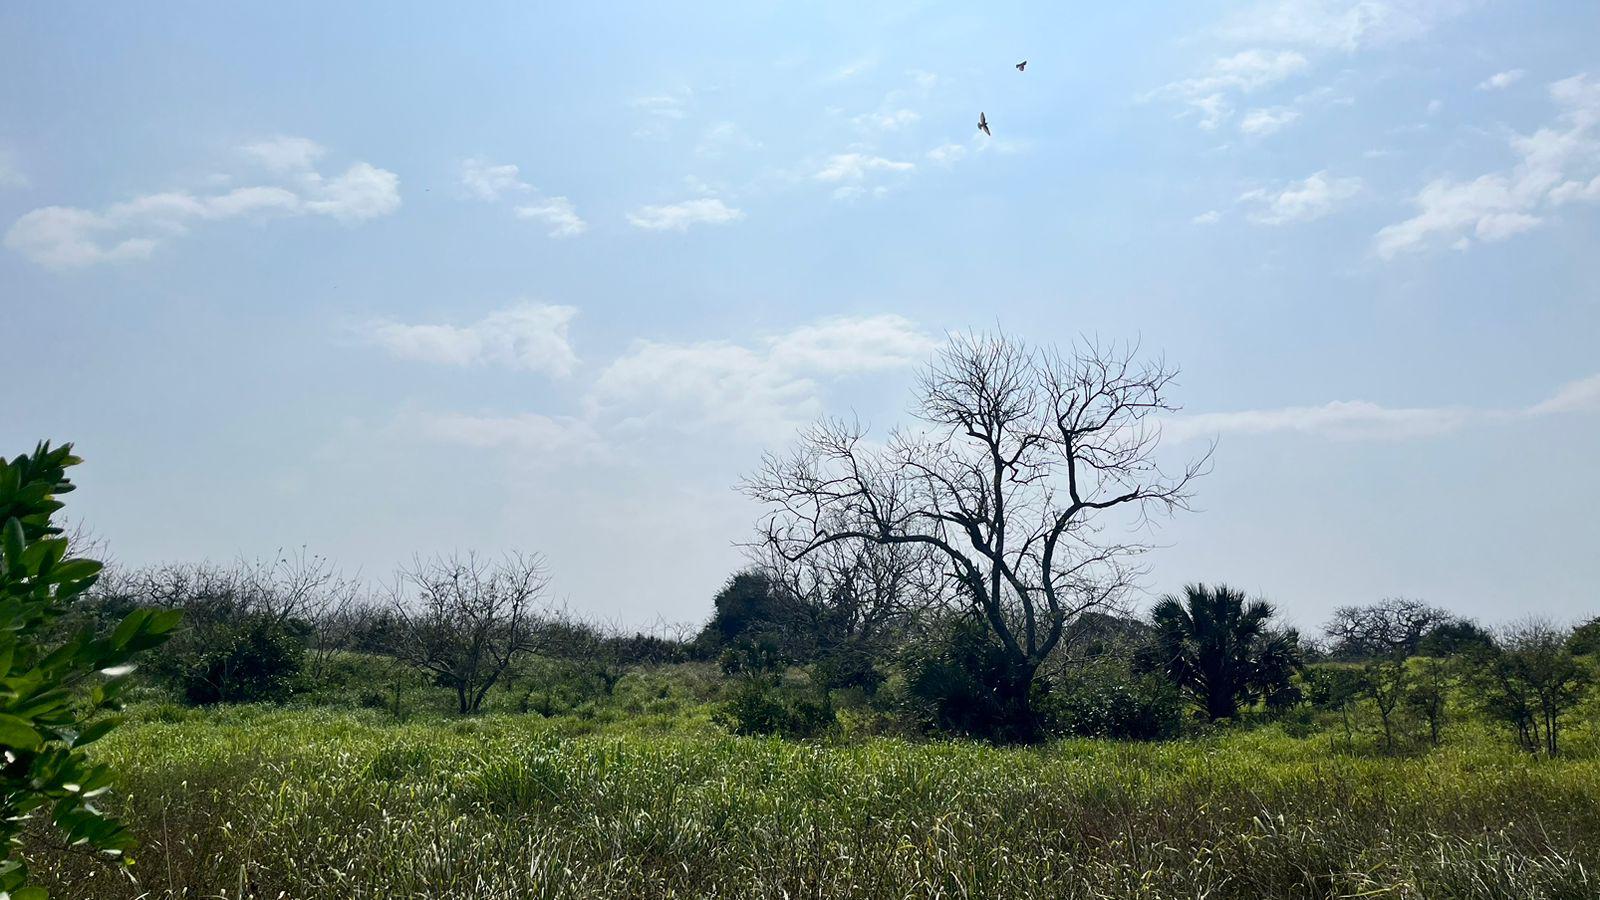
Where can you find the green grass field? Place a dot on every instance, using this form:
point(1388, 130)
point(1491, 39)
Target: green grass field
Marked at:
point(268, 803)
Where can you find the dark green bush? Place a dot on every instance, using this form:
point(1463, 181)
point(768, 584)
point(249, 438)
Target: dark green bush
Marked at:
point(768, 705)
point(1105, 699)
point(959, 680)
point(255, 659)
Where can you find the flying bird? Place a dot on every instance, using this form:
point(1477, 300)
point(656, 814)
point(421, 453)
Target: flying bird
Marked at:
point(1022, 66)
point(983, 124)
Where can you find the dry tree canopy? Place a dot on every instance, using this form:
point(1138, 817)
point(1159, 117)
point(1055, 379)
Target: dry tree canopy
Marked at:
point(1017, 452)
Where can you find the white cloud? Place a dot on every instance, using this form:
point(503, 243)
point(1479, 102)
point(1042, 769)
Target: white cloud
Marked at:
point(1209, 217)
point(489, 181)
point(679, 216)
point(762, 391)
point(494, 182)
point(1244, 72)
point(285, 154)
point(851, 345)
point(1361, 420)
point(528, 337)
point(1501, 80)
point(853, 68)
point(724, 138)
point(1276, 39)
point(1342, 25)
point(1299, 201)
point(1262, 122)
point(1557, 164)
point(856, 166)
point(61, 237)
point(1582, 395)
point(364, 191)
point(558, 213)
point(1349, 420)
point(248, 200)
point(663, 106)
point(887, 120)
point(947, 154)
point(661, 112)
point(64, 237)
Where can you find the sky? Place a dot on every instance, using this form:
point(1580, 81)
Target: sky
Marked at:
point(390, 279)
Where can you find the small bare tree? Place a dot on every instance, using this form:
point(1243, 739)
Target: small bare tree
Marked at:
point(857, 593)
point(1022, 453)
point(466, 620)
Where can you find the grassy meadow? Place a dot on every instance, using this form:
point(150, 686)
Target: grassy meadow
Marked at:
point(265, 802)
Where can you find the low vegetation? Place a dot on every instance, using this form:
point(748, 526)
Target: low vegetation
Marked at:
point(265, 803)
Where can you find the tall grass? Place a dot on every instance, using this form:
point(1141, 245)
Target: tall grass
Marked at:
point(323, 804)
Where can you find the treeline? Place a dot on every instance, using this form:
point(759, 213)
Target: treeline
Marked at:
point(1208, 656)
point(865, 637)
point(294, 626)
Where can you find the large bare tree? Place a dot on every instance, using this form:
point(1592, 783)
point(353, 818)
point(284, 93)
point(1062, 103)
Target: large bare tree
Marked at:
point(1022, 457)
point(1392, 627)
point(466, 619)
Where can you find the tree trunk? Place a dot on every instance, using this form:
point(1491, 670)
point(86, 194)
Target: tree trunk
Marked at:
point(1220, 704)
point(1020, 721)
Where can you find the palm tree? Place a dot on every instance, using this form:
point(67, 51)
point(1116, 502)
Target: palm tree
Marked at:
point(1220, 648)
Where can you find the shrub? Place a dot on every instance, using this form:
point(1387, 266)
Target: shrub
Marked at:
point(258, 659)
point(769, 705)
point(961, 681)
point(1105, 699)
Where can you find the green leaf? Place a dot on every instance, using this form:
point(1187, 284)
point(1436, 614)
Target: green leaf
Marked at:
point(165, 620)
point(129, 627)
point(12, 540)
point(96, 731)
point(76, 569)
point(17, 733)
point(33, 892)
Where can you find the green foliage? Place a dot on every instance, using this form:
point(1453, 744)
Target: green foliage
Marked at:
point(55, 695)
point(1221, 650)
point(1585, 639)
point(1454, 638)
point(256, 658)
point(1105, 699)
point(959, 680)
point(1531, 682)
point(753, 607)
point(771, 705)
point(1428, 694)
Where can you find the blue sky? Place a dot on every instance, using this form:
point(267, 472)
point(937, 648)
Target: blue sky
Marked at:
point(391, 279)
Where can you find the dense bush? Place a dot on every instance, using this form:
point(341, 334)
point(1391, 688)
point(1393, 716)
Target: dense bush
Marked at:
point(256, 659)
point(959, 680)
point(756, 607)
point(773, 705)
point(1105, 699)
point(1453, 638)
point(1585, 639)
